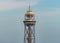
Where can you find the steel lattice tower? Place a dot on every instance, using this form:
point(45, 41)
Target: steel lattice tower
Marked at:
point(29, 30)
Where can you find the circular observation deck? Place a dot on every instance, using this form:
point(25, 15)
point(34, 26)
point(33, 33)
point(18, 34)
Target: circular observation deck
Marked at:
point(29, 22)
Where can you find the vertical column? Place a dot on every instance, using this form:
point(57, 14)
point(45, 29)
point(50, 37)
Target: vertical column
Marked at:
point(25, 34)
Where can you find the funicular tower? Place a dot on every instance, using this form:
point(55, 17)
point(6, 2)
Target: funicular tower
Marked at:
point(29, 30)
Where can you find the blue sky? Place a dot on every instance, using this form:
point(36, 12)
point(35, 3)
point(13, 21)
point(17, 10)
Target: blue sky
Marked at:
point(47, 13)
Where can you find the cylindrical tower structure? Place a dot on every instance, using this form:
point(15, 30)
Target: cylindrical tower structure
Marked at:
point(29, 30)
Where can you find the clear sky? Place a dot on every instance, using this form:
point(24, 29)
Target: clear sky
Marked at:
point(47, 13)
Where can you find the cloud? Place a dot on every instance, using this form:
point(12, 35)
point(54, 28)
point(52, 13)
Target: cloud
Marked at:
point(7, 5)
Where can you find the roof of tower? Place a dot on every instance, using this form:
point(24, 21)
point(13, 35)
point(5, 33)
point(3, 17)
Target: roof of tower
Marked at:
point(29, 12)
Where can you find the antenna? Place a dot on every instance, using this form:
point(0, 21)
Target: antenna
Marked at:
point(29, 7)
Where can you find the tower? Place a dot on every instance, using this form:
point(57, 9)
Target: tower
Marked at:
point(29, 30)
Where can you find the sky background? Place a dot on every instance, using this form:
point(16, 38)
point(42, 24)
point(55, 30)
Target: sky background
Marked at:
point(47, 14)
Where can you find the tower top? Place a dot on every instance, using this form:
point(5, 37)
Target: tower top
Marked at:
point(29, 12)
